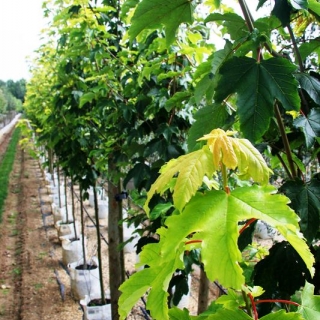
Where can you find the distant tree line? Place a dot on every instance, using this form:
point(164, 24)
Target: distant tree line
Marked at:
point(12, 95)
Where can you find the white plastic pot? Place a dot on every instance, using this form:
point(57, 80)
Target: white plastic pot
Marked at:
point(61, 213)
point(72, 251)
point(66, 230)
point(84, 282)
point(95, 312)
point(103, 209)
point(100, 195)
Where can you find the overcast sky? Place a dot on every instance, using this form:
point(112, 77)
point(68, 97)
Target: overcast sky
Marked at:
point(20, 24)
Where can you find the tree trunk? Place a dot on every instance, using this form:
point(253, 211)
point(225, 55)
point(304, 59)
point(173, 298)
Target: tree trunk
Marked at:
point(96, 213)
point(116, 258)
point(203, 292)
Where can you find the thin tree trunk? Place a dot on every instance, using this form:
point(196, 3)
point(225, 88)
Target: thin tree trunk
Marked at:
point(82, 229)
point(116, 259)
point(96, 211)
point(203, 292)
point(73, 212)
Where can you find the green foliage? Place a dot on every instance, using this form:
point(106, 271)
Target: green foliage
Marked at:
point(305, 200)
point(216, 226)
point(310, 126)
point(150, 13)
point(271, 79)
point(310, 307)
point(135, 87)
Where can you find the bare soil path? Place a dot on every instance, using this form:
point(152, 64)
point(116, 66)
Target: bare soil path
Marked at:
point(29, 265)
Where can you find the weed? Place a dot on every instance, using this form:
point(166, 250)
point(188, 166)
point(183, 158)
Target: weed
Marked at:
point(38, 286)
point(2, 310)
point(5, 291)
point(42, 255)
point(12, 217)
point(16, 271)
point(14, 232)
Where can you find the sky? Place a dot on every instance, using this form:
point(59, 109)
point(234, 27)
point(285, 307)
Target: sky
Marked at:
point(21, 22)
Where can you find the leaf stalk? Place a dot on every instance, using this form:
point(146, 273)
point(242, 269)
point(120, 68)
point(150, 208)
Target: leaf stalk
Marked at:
point(285, 142)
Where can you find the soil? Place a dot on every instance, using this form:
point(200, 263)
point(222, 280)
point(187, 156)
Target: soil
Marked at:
point(34, 283)
point(29, 267)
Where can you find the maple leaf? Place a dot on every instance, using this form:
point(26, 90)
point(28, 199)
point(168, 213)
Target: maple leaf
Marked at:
point(269, 80)
point(151, 13)
point(192, 168)
point(211, 218)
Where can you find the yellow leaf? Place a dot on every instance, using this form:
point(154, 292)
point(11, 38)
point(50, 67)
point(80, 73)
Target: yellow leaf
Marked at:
point(237, 153)
point(220, 144)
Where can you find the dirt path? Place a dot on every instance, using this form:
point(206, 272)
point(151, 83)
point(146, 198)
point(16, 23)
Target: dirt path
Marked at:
point(29, 266)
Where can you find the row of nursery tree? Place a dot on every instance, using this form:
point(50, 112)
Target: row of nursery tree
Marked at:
point(215, 117)
point(12, 95)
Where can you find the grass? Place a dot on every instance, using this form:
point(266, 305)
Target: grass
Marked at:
point(38, 286)
point(6, 167)
point(42, 255)
point(12, 217)
point(16, 271)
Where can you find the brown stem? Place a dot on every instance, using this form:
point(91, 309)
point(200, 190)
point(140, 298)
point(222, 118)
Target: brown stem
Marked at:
point(193, 241)
point(253, 305)
point(247, 224)
point(96, 212)
point(248, 307)
point(295, 48)
point(284, 166)
point(82, 229)
point(285, 141)
point(278, 300)
point(247, 15)
point(73, 211)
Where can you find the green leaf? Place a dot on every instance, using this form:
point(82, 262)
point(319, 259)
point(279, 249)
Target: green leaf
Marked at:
point(310, 308)
point(150, 13)
point(126, 6)
point(257, 86)
point(231, 300)
point(305, 201)
point(312, 46)
point(178, 314)
point(207, 118)
point(155, 278)
point(310, 126)
point(310, 84)
point(282, 10)
point(160, 209)
point(138, 173)
point(314, 7)
point(236, 314)
point(176, 100)
point(192, 168)
point(236, 25)
point(87, 97)
point(213, 218)
point(215, 314)
point(281, 271)
point(282, 314)
point(208, 70)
